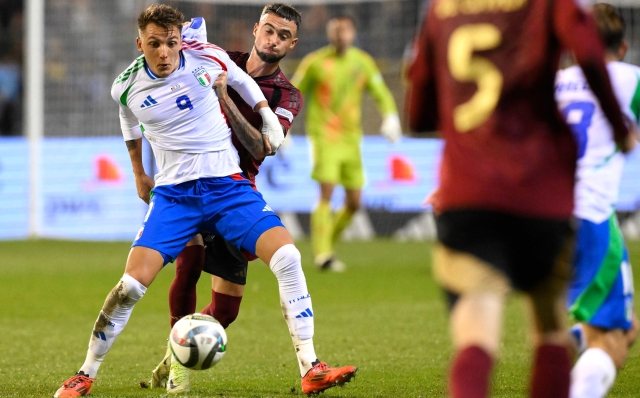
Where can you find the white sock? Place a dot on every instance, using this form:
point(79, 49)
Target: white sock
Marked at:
point(112, 319)
point(296, 303)
point(593, 375)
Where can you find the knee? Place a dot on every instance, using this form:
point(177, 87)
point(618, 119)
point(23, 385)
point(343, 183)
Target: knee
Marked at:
point(128, 289)
point(352, 206)
point(285, 259)
point(632, 334)
point(225, 315)
point(613, 342)
point(618, 349)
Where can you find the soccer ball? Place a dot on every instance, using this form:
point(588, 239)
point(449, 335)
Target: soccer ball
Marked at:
point(198, 341)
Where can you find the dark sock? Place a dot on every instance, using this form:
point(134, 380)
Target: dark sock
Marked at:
point(182, 294)
point(223, 307)
point(470, 373)
point(551, 372)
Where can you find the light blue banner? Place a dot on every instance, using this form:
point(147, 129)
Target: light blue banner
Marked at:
point(398, 176)
point(87, 190)
point(14, 188)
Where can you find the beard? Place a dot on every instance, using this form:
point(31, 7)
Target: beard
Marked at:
point(269, 58)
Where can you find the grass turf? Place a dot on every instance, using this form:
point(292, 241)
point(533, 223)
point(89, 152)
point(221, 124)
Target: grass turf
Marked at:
point(384, 315)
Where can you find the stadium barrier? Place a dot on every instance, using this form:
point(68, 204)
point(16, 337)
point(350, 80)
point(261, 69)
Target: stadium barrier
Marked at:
point(86, 189)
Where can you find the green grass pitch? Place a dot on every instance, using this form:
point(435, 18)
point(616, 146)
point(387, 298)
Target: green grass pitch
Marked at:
point(384, 315)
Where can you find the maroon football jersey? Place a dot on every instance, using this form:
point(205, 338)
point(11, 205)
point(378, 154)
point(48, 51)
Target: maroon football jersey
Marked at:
point(283, 98)
point(484, 77)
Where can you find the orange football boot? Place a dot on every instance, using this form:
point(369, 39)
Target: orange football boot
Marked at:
point(79, 385)
point(322, 377)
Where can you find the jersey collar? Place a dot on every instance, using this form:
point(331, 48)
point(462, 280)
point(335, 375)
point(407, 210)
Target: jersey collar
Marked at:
point(153, 76)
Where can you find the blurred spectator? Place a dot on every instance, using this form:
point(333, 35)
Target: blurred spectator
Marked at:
point(11, 32)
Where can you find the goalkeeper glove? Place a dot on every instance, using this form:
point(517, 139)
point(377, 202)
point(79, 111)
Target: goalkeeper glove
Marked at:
point(391, 128)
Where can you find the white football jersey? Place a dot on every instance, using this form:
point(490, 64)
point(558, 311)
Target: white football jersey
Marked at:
point(600, 163)
point(180, 115)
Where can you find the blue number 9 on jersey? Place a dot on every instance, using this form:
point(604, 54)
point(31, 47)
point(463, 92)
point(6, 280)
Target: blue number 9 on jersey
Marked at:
point(184, 102)
point(578, 116)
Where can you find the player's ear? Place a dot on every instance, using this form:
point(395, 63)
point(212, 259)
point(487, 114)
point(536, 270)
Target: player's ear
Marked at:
point(139, 44)
point(293, 43)
point(255, 29)
point(622, 51)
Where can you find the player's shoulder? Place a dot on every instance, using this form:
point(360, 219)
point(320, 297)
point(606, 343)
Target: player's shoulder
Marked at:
point(125, 80)
point(281, 81)
point(363, 58)
point(136, 66)
point(625, 78)
point(201, 49)
point(319, 54)
point(239, 57)
point(624, 70)
point(360, 53)
point(289, 94)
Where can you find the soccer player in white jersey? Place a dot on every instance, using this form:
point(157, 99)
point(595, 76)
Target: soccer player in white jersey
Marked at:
point(601, 294)
point(167, 95)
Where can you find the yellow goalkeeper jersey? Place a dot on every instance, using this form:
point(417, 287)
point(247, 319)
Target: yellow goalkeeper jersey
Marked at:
point(333, 87)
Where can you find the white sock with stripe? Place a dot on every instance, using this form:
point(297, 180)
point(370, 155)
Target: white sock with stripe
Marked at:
point(295, 302)
point(593, 374)
point(113, 318)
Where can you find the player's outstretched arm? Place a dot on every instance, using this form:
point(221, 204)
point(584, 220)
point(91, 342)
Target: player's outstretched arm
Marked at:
point(144, 183)
point(250, 138)
point(577, 32)
point(421, 100)
point(391, 128)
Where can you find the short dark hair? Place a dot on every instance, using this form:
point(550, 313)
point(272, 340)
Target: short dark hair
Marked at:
point(611, 26)
point(161, 15)
point(345, 17)
point(283, 11)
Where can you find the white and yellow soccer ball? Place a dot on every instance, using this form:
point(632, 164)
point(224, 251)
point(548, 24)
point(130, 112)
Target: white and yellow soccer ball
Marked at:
point(198, 341)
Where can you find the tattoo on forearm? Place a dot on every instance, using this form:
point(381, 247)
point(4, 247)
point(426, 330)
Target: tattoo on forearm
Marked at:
point(246, 133)
point(132, 144)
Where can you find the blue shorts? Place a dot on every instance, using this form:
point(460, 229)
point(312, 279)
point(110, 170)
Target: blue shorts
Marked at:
point(601, 293)
point(226, 206)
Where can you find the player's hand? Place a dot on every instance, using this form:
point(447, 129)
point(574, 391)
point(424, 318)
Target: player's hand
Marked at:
point(391, 128)
point(432, 199)
point(271, 128)
point(631, 139)
point(267, 146)
point(144, 185)
point(220, 84)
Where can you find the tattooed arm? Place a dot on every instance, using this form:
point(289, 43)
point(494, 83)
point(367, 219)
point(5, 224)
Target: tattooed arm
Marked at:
point(144, 183)
point(250, 138)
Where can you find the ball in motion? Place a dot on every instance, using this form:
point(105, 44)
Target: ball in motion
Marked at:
point(198, 341)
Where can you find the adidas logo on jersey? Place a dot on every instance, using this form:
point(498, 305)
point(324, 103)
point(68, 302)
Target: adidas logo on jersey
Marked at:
point(267, 208)
point(305, 314)
point(149, 102)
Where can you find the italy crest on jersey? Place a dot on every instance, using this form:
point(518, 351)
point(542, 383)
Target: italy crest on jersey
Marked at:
point(203, 76)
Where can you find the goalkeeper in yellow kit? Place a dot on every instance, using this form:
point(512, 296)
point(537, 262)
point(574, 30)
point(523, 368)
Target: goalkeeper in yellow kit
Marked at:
point(333, 79)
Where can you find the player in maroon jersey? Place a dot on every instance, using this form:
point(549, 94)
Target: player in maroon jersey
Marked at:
point(484, 77)
point(275, 36)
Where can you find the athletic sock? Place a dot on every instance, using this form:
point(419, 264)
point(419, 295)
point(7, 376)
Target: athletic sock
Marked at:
point(470, 373)
point(295, 302)
point(551, 372)
point(341, 220)
point(182, 294)
point(592, 375)
point(321, 229)
point(113, 318)
point(223, 307)
point(576, 333)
